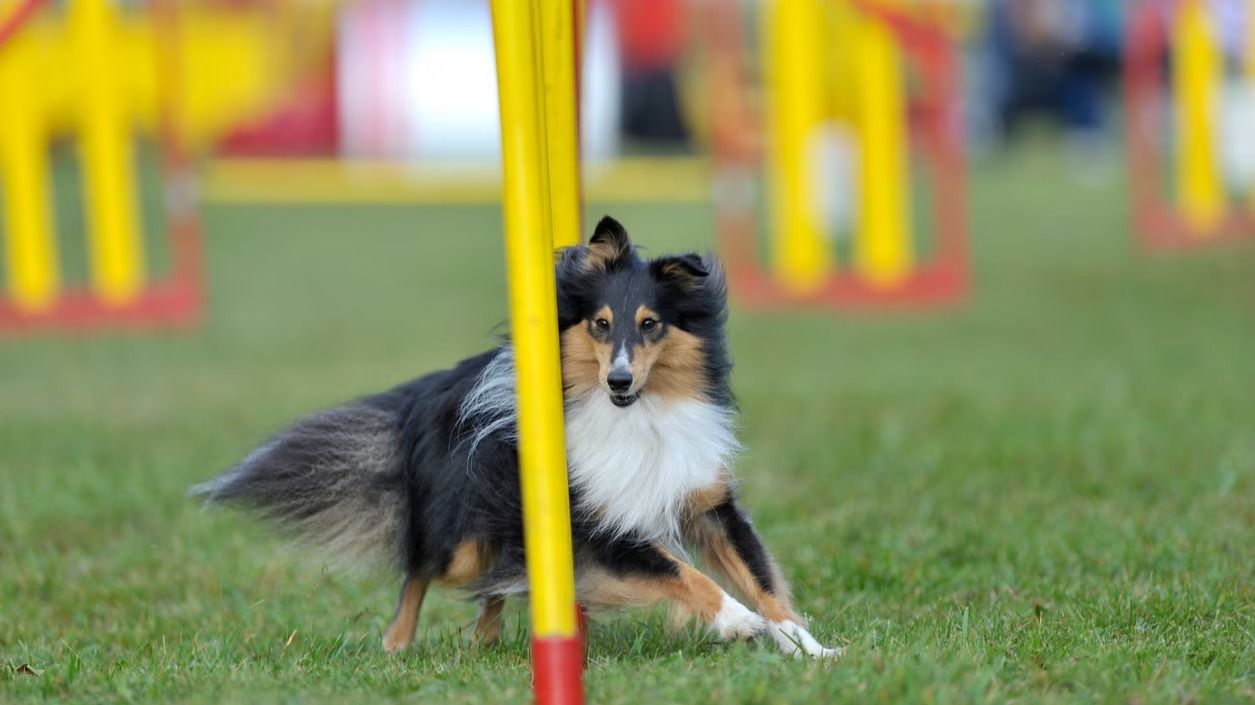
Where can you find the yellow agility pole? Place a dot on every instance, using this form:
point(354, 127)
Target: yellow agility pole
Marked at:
point(115, 245)
point(1197, 68)
point(562, 130)
point(556, 651)
point(883, 245)
point(30, 248)
point(795, 79)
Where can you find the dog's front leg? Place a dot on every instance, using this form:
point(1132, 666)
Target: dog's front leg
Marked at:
point(638, 574)
point(730, 547)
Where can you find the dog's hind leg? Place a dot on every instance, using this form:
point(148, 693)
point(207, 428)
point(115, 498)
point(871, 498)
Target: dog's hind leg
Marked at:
point(488, 629)
point(401, 632)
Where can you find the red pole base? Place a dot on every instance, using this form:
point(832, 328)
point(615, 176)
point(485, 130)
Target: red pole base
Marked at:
point(557, 668)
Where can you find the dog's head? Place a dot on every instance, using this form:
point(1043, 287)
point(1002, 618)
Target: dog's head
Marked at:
point(634, 326)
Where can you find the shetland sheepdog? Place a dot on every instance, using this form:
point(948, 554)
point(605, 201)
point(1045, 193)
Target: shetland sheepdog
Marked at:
point(425, 476)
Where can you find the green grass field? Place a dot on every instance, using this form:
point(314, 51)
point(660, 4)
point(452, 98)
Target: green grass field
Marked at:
point(1045, 496)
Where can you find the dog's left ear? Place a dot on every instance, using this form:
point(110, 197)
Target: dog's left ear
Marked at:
point(609, 243)
point(686, 271)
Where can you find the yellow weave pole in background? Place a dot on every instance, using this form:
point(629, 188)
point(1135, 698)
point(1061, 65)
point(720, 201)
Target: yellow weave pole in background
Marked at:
point(796, 55)
point(1197, 68)
point(556, 651)
point(30, 249)
point(558, 53)
point(883, 253)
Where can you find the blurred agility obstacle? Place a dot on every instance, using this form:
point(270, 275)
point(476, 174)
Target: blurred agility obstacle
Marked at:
point(841, 128)
point(536, 44)
point(118, 74)
point(1207, 207)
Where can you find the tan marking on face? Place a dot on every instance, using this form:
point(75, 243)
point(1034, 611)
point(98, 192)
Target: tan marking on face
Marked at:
point(585, 361)
point(677, 366)
point(470, 559)
point(721, 557)
point(644, 356)
point(672, 366)
point(401, 632)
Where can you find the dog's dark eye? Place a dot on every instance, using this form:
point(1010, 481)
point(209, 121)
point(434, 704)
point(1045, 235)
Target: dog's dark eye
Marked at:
point(648, 324)
point(602, 324)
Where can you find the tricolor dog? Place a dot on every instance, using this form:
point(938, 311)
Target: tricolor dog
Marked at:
point(426, 474)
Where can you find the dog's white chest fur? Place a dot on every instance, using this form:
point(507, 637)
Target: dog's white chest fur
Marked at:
point(634, 467)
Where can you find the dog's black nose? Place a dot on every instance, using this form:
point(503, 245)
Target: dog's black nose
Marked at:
point(619, 380)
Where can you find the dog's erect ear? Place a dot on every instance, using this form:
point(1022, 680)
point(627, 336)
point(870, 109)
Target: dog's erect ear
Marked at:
point(684, 270)
point(608, 243)
point(610, 232)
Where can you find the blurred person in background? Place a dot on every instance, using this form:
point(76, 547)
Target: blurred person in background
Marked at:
point(651, 37)
point(1052, 58)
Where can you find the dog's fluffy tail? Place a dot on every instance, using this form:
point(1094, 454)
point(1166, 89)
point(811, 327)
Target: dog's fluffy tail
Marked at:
point(333, 479)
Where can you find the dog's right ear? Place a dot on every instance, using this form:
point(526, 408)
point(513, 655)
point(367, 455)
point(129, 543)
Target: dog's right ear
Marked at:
point(609, 243)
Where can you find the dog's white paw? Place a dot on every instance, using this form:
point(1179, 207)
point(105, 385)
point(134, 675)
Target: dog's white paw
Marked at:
point(735, 621)
point(794, 640)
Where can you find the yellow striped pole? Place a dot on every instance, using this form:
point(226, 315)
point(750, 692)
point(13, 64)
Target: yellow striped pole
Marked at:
point(115, 245)
point(883, 245)
point(795, 79)
point(30, 247)
point(1197, 67)
point(556, 651)
point(561, 118)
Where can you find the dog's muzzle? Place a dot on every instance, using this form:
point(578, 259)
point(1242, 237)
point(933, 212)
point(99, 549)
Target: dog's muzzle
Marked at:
point(622, 400)
point(620, 383)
